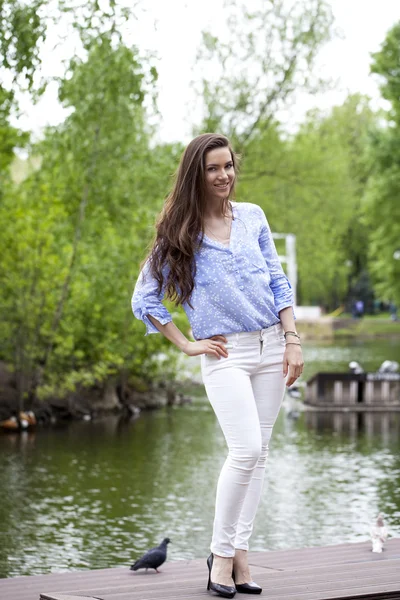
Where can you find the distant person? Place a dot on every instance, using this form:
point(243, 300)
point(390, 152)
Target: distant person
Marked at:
point(393, 311)
point(217, 258)
point(359, 306)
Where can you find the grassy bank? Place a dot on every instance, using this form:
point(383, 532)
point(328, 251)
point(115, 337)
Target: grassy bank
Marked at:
point(328, 328)
point(368, 326)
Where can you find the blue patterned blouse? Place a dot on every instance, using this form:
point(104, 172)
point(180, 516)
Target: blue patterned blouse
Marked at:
point(238, 287)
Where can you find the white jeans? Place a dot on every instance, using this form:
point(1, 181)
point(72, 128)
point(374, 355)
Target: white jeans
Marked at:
point(246, 391)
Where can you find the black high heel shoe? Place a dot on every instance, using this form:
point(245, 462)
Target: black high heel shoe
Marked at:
point(227, 591)
point(247, 588)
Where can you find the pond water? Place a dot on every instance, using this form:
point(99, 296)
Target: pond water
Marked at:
point(96, 495)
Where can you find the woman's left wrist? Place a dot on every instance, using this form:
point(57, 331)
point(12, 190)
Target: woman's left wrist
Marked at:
point(291, 334)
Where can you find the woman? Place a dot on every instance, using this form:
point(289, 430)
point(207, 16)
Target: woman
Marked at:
point(218, 260)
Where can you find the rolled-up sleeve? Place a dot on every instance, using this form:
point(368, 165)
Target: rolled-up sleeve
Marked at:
point(146, 301)
point(280, 285)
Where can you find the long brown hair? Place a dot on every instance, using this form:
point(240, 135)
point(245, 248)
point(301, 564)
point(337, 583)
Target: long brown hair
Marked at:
point(180, 225)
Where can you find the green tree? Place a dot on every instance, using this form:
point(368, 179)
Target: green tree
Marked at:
point(21, 32)
point(268, 55)
point(382, 207)
point(75, 230)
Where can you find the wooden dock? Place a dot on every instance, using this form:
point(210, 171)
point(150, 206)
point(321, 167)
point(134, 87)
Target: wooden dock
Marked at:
point(345, 571)
point(373, 392)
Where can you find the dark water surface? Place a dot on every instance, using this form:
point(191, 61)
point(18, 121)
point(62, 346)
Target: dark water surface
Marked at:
point(95, 495)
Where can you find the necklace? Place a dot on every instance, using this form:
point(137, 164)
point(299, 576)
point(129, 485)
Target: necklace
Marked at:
point(222, 240)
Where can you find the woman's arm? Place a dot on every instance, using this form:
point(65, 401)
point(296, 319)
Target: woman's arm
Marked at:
point(279, 283)
point(146, 300)
point(293, 358)
point(287, 319)
point(147, 306)
point(283, 296)
point(213, 345)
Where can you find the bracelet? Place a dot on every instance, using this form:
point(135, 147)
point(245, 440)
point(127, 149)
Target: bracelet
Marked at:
point(292, 344)
point(291, 333)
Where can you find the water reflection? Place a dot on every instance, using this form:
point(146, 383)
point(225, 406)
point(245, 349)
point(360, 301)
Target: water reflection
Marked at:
point(385, 425)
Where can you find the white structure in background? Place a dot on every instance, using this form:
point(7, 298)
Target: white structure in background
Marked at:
point(302, 312)
point(289, 259)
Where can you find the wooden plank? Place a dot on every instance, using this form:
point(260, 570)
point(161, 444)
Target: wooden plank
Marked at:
point(345, 587)
point(281, 584)
point(344, 571)
point(384, 593)
point(67, 597)
point(200, 592)
point(341, 553)
point(351, 571)
point(278, 560)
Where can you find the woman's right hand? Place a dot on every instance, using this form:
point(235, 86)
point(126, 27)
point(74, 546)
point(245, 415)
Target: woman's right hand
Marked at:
point(213, 345)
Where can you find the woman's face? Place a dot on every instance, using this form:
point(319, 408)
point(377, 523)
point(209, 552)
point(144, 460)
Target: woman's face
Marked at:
point(219, 173)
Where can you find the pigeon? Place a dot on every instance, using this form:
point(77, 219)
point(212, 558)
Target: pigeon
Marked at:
point(294, 391)
point(389, 366)
point(355, 367)
point(153, 558)
point(379, 534)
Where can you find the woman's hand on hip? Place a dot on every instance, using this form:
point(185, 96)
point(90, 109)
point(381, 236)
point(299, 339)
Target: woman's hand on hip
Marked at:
point(292, 363)
point(213, 345)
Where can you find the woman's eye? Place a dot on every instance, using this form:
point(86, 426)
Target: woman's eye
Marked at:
point(229, 166)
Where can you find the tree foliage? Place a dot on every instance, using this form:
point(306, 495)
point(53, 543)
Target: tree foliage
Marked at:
point(311, 184)
point(75, 230)
point(382, 206)
point(21, 31)
point(269, 53)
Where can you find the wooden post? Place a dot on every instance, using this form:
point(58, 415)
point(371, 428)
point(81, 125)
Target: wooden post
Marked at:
point(385, 392)
point(353, 392)
point(369, 392)
point(314, 392)
point(338, 392)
